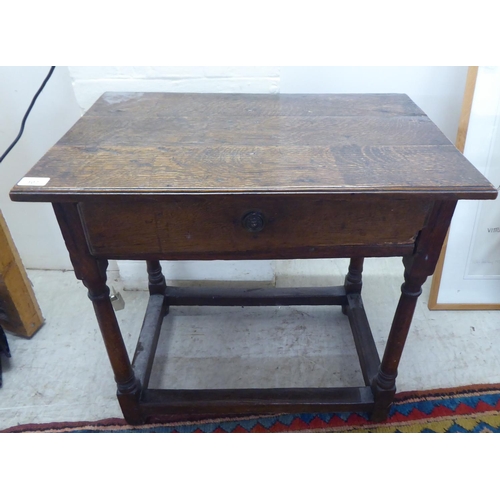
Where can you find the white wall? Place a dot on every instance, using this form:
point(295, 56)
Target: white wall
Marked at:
point(33, 225)
point(437, 90)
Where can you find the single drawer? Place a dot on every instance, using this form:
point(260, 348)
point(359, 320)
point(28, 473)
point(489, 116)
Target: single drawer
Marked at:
point(248, 226)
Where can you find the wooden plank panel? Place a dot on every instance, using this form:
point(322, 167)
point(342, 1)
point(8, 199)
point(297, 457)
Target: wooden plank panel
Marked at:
point(116, 131)
point(167, 144)
point(77, 171)
point(20, 312)
point(181, 104)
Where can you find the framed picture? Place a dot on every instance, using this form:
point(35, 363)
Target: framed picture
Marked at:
point(468, 273)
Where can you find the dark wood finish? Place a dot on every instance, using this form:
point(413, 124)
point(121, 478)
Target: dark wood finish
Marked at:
point(142, 144)
point(304, 252)
point(227, 401)
point(205, 177)
point(196, 107)
point(353, 281)
point(156, 282)
point(418, 268)
point(179, 226)
point(148, 339)
point(314, 296)
point(92, 272)
point(363, 338)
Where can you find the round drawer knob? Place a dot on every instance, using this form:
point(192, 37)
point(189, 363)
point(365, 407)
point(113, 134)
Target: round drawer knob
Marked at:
point(253, 222)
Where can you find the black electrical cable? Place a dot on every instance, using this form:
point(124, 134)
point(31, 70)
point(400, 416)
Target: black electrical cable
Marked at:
point(52, 68)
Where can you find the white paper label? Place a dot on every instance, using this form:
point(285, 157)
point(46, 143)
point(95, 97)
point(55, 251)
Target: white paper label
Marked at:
point(33, 181)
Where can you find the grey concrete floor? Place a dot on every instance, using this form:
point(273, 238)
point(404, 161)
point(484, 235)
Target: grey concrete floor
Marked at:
point(63, 374)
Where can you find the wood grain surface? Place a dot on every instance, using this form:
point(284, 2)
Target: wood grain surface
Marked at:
point(181, 226)
point(135, 143)
point(19, 309)
point(175, 176)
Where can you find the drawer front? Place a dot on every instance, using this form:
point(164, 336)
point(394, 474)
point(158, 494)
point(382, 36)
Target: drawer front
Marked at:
point(237, 226)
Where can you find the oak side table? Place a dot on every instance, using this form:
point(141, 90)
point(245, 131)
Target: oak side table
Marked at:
point(161, 176)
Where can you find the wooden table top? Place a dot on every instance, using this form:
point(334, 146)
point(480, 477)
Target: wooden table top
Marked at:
point(168, 143)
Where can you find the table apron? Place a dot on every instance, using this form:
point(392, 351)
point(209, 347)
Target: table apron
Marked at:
point(278, 227)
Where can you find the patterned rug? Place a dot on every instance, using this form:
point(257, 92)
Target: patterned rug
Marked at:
point(465, 409)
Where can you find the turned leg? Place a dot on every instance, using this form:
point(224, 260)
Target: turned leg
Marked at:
point(418, 267)
point(129, 388)
point(92, 272)
point(353, 280)
point(156, 280)
point(157, 283)
point(384, 384)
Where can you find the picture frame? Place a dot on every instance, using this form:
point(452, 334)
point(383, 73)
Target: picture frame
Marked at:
point(467, 276)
